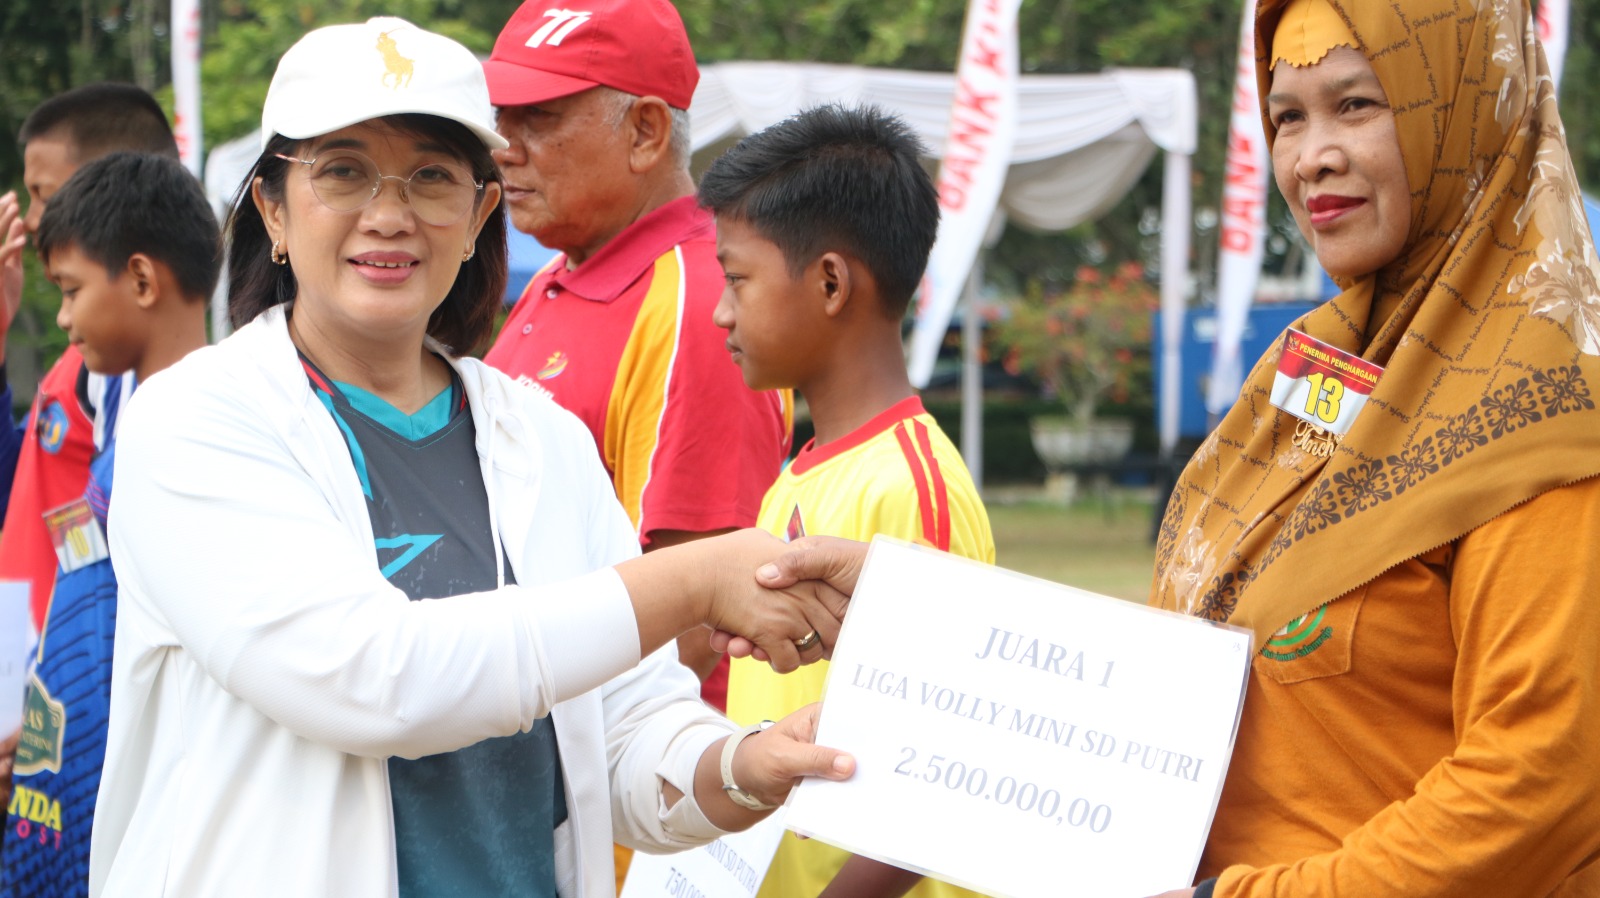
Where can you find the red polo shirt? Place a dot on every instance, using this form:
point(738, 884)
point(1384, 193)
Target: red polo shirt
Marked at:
point(626, 342)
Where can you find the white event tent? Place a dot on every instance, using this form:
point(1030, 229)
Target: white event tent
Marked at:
point(1082, 141)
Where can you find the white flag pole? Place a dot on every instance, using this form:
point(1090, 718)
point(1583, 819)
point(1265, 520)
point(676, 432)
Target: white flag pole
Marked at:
point(977, 154)
point(1175, 218)
point(972, 379)
point(186, 82)
point(186, 124)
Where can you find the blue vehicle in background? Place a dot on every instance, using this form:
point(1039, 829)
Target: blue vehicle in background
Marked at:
point(527, 256)
point(1264, 325)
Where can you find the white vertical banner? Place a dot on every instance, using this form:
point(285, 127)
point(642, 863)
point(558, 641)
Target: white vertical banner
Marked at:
point(1551, 22)
point(186, 82)
point(1244, 223)
point(983, 123)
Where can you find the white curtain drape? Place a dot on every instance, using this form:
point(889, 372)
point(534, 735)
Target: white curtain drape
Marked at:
point(1082, 140)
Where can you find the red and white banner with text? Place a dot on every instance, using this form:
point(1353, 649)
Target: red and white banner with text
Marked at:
point(983, 121)
point(186, 82)
point(1551, 23)
point(1244, 224)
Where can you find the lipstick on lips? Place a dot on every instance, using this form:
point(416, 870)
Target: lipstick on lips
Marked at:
point(1327, 208)
point(384, 267)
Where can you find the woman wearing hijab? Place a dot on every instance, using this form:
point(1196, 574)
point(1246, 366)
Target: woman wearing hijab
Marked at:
point(1423, 712)
point(288, 716)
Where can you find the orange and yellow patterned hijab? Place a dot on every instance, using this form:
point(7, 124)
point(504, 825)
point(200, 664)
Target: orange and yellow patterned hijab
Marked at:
point(1488, 325)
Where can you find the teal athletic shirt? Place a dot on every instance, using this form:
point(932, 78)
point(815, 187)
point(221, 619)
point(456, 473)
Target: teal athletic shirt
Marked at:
point(477, 822)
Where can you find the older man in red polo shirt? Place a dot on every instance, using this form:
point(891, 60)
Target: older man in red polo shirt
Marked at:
point(618, 328)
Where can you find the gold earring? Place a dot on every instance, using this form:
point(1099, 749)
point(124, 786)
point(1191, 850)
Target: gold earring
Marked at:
point(277, 257)
point(467, 256)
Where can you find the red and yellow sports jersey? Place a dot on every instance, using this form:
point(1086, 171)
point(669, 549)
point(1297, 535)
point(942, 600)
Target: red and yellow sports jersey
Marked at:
point(899, 475)
point(625, 341)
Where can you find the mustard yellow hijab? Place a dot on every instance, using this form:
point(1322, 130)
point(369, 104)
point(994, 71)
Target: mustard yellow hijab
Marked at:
point(1488, 325)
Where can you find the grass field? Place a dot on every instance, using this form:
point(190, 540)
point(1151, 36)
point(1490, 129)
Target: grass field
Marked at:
point(1099, 544)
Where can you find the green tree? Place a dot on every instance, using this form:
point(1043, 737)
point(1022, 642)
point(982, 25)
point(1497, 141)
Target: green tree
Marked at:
point(47, 47)
point(242, 52)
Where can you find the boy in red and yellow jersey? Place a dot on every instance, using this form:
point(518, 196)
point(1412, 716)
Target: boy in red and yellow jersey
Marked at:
point(824, 225)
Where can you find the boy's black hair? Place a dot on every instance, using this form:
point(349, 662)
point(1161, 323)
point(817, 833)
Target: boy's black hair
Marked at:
point(835, 179)
point(103, 118)
point(128, 203)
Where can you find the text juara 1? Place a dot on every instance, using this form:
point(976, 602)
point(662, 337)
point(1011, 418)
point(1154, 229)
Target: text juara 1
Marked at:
point(1046, 657)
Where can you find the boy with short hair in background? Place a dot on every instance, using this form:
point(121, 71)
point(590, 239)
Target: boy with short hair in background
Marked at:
point(44, 461)
point(824, 225)
point(50, 457)
point(133, 245)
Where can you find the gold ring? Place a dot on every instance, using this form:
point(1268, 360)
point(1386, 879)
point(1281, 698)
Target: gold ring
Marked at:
point(810, 640)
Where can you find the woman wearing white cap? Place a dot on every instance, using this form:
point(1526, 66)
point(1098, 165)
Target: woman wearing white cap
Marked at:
point(286, 718)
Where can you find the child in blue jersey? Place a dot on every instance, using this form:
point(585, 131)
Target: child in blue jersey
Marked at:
point(133, 245)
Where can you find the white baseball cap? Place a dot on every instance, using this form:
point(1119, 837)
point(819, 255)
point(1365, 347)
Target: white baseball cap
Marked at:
point(343, 74)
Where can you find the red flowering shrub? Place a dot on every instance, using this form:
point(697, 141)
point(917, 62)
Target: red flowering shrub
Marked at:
point(1083, 344)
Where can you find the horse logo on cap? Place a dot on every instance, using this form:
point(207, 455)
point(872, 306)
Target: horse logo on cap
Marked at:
point(393, 63)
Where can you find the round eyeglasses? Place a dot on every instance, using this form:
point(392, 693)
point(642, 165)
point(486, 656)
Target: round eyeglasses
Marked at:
point(440, 193)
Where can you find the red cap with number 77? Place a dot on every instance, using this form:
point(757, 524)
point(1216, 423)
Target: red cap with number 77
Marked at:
point(635, 46)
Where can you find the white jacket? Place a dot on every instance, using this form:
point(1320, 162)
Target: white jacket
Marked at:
point(265, 670)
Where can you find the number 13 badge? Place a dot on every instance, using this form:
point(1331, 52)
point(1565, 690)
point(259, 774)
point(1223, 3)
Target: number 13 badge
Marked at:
point(1324, 386)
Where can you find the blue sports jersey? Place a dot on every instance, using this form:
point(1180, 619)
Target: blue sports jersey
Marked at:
point(63, 745)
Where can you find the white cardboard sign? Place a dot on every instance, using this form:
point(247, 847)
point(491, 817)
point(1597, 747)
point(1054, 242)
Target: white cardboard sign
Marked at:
point(1019, 737)
point(731, 867)
point(14, 638)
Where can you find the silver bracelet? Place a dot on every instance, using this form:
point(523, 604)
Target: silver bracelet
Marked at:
point(735, 794)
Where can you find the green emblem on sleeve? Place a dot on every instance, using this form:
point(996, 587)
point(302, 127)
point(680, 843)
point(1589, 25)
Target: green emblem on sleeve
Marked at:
point(44, 725)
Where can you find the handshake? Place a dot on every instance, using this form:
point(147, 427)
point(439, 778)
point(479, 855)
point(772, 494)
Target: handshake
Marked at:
point(760, 597)
point(757, 596)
